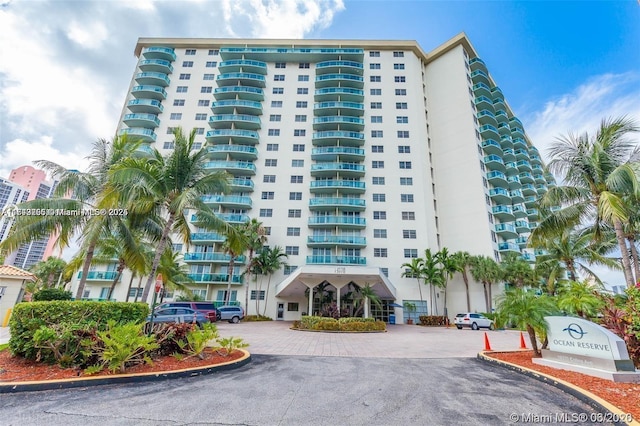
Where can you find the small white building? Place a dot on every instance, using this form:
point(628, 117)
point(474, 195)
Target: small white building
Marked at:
point(12, 285)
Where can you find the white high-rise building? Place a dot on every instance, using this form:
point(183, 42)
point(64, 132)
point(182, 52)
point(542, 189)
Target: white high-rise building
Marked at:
point(356, 155)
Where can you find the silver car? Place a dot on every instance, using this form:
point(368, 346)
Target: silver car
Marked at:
point(231, 313)
point(473, 321)
point(179, 315)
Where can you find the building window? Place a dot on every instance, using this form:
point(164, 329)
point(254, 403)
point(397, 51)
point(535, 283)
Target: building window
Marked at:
point(295, 196)
point(302, 91)
point(297, 179)
point(374, 54)
point(375, 79)
point(404, 149)
point(405, 164)
point(409, 234)
point(298, 147)
point(400, 79)
point(278, 77)
point(272, 146)
point(175, 116)
point(377, 164)
point(379, 215)
point(379, 198)
point(398, 66)
point(299, 132)
point(377, 148)
point(185, 76)
point(267, 195)
point(398, 54)
point(213, 52)
point(271, 162)
point(211, 64)
point(293, 232)
point(301, 119)
point(401, 92)
point(281, 64)
point(196, 146)
point(205, 89)
point(276, 104)
point(203, 102)
point(375, 92)
point(293, 306)
point(190, 52)
point(199, 130)
point(294, 213)
point(288, 269)
point(303, 77)
point(266, 212)
point(406, 181)
point(303, 65)
point(376, 133)
point(267, 230)
point(377, 180)
point(187, 64)
point(406, 198)
point(403, 134)
point(181, 89)
point(170, 130)
point(401, 105)
point(168, 145)
point(201, 117)
point(273, 132)
point(376, 105)
point(297, 163)
point(301, 104)
point(376, 119)
point(178, 102)
point(374, 66)
point(379, 252)
point(254, 294)
point(402, 119)
point(269, 179)
point(410, 253)
point(379, 233)
point(275, 117)
point(278, 90)
point(408, 216)
point(208, 77)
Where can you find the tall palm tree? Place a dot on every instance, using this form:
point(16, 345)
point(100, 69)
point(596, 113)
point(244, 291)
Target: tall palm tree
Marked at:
point(256, 236)
point(49, 271)
point(598, 172)
point(448, 267)
point(171, 186)
point(485, 270)
point(463, 262)
point(579, 298)
point(274, 259)
point(175, 273)
point(235, 244)
point(365, 296)
point(432, 274)
point(517, 271)
point(414, 270)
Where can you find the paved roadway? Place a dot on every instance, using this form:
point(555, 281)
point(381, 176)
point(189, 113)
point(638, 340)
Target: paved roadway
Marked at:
point(335, 389)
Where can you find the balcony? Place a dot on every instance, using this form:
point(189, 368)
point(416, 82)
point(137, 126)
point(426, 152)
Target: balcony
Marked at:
point(497, 178)
point(233, 152)
point(155, 65)
point(508, 155)
point(489, 132)
point(522, 226)
point(338, 93)
point(524, 166)
point(338, 138)
point(100, 275)
point(223, 136)
point(483, 103)
point(293, 54)
point(499, 195)
point(350, 67)
point(339, 203)
point(535, 158)
point(479, 76)
point(141, 120)
point(149, 92)
point(153, 79)
point(243, 65)
point(342, 80)
point(514, 182)
point(490, 146)
point(241, 79)
point(506, 230)
point(516, 121)
point(519, 211)
point(518, 142)
point(477, 64)
point(541, 189)
point(494, 162)
point(241, 92)
point(529, 257)
point(526, 177)
point(533, 225)
point(530, 201)
point(211, 257)
point(343, 169)
point(228, 201)
point(529, 189)
point(506, 142)
point(336, 240)
point(537, 168)
point(138, 133)
point(503, 213)
point(333, 153)
point(241, 185)
point(522, 154)
point(511, 168)
point(233, 218)
point(331, 186)
point(239, 121)
point(340, 221)
point(497, 93)
point(236, 168)
point(338, 108)
point(539, 178)
point(486, 117)
point(149, 106)
point(159, 52)
point(215, 278)
point(522, 242)
point(508, 247)
point(237, 106)
point(533, 214)
point(341, 121)
point(504, 129)
point(206, 238)
point(336, 260)
point(481, 89)
point(516, 196)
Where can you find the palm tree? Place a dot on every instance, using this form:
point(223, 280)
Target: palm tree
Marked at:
point(414, 270)
point(256, 236)
point(525, 310)
point(272, 259)
point(432, 274)
point(579, 298)
point(175, 273)
point(171, 186)
point(76, 192)
point(486, 271)
point(598, 172)
point(234, 245)
point(517, 271)
point(366, 295)
point(49, 271)
point(448, 267)
point(463, 262)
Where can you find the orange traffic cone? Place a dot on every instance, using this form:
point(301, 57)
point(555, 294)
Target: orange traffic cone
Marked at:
point(487, 345)
point(523, 345)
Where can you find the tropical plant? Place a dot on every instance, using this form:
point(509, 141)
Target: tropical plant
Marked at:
point(230, 344)
point(234, 245)
point(517, 271)
point(432, 274)
point(175, 273)
point(579, 298)
point(485, 270)
point(414, 270)
point(463, 263)
point(197, 340)
point(268, 261)
point(448, 266)
point(49, 272)
point(47, 294)
point(171, 186)
point(123, 344)
point(256, 236)
point(365, 296)
point(410, 307)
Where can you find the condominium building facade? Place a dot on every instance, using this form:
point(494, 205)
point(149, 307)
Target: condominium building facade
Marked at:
point(355, 155)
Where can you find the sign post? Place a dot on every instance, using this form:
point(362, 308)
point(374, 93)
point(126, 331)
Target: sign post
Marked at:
point(158, 288)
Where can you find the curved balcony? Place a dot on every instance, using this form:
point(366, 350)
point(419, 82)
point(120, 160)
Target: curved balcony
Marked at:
point(479, 76)
point(155, 65)
point(343, 169)
point(344, 122)
point(526, 177)
point(236, 168)
point(524, 165)
point(149, 106)
point(539, 178)
point(508, 155)
point(497, 92)
point(149, 121)
point(293, 54)
point(223, 136)
point(529, 257)
point(506, 142)
point(350, 67)
point(529, 189)
point(238, 106)
point(519, 211)
point(144, 135)
point(541, 189)
point(497, 178)
point(159, 52)
point(522, 242)
point(508, 247)
point(516, 196)
point(537, 168)
point(517, 132)
point(494, 162)
point(153, 79)
point(241, 185)
point(486, 117)
point(481, 89)
point(490, 146)
point(477, 64)
point(533, 225)
point(498, 103)
point(514, 182)
point(530, 200)
point(338, 137)
point(489, 132)
point(235, 152)
point(503, 213)
point(238, 121)
point(501, 116)
point(336, 240)
point(511, 168)
point(516, 121)
point(206, 238)
point(340, 203)
point(331, 186)
point(227, 217)
point(506, 230)
point(243, 65)
point(241, 79)
point(333, 153)
point(340, 221)
point(535, 158)
point(504, 129)
point(518, 142)
point(215, 278)
point(339, 93)
point(211, 257)
point(229, 201)
point(533, 214)
point(522, 226)
point(483, 103)
point(240, 92)
point(499, 195)
point(149, 92)
point(144, 150)
point(336, 260)
point(338, 108)
point(342, 80)
point(100, 275)
point(522, 154)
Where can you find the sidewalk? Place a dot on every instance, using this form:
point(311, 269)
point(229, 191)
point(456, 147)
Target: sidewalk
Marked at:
point(4, 335)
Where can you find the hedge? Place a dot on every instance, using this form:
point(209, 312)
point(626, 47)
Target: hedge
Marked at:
point(342, 324)
point(433, 320)
point(28, 318)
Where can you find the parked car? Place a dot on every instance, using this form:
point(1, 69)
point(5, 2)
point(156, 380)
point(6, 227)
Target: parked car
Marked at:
point(474, 321)
point(207, 308)
point(231, 313)
point(181, 315)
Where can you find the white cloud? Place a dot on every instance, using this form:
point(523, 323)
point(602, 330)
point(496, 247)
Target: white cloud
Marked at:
point(20, 152)
point(89, 35)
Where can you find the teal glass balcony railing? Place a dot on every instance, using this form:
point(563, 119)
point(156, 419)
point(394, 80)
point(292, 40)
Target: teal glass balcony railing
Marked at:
point(337, 220)
point(522, 154)
point(149, 92)
point(235, 167)
point(156, 65)
point(522, 241)
point(479, 75)
point(346, 122)
point(519, 210)
point(333, 152)
point(511, 167)
point(245, 65)
point(211, 257)
point(530, 200)
point(481, 88)
point(100, 275)
point(145, 135)
point(240, 151)
point(522, 226)
point(505, 210)
point(336, 260)
point(539, 178)
point(242, 184)
point(215, 278)
point(206, 237)
point(236, 106)
point(141, 120)
point(239, 120)
point(145, 106)
point(336, 240)
point(492, 160)
point(477, 63)
point(516, 196)
point(159, 52)
point(242, 92)
point(498, 176)
point(334, 66)
point(228, 200)
point(508, 246)
point(505, 227)
point(235, 135)
point(334, 107)
point(338, 167)
point(500, 195)
point(337, 184)
point(532, 213)
point(347, 80)
point(488, 128)
point(231, 52)
point(153, 78)
point(524, 165)
point(338, 136)
point(243, 78)
point(519, 142)
point(525, 177)
point(529, 189)
point(343, 93)
point(333, 202)
point(506, 141)
point(529, 257)
point(233, 217)
point(490, 146)
point(483, 102)
point(516, 121)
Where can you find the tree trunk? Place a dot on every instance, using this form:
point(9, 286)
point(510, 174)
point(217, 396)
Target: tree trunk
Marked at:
point(419, 289)
point(230, 272)
point(246, 287)
point(266, 297)
point(486, 297)
point(634, 256)
point(135, 300)
point(534, 341)
point(85, 270)
point(490, 298)
point(258, 288)
point(156, 259)
point(572, 270)
point(121, 266)
point(466, 287)
point(624, 252)
point(129, 289)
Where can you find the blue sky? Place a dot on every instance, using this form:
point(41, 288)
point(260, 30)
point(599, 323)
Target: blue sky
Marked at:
point(66, 65)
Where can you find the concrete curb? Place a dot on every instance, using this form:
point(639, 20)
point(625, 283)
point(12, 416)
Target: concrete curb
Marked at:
point(14, 387)
point(582, 394)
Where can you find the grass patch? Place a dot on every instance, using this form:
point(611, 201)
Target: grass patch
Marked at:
point(4, 346)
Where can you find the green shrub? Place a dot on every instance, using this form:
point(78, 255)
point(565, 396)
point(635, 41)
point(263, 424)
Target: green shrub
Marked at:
point(65, 344)
point(197, 340)
point(230, 344)
point(28, 318)
point(342, 324)
point(432, 320)
point(124, 345)
point(170, 336)
point(51, 294)
point(345, 320)
point(254, 318)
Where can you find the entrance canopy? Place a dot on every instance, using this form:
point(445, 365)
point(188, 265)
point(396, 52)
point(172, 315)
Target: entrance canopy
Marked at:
point(309, 276)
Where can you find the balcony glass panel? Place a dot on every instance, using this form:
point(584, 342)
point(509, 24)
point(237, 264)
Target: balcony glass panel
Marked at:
point(215, 278)
point(244, 78)
point(153, 78)
point(246, 65)
point(145, 135)
point(507, 246)
point(337, 220)
point(347, 260)
point(149, 92)
point(145, 105)
point(156, 65)
point(242, 92)
point(212, 257)
point(235, 135)
point(337, 240)
point(159, 52)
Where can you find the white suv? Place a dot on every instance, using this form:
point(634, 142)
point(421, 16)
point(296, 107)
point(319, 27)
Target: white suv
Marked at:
point(474, 321)
point(231, 313)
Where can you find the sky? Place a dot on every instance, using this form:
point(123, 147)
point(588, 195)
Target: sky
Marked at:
point(65, 66)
